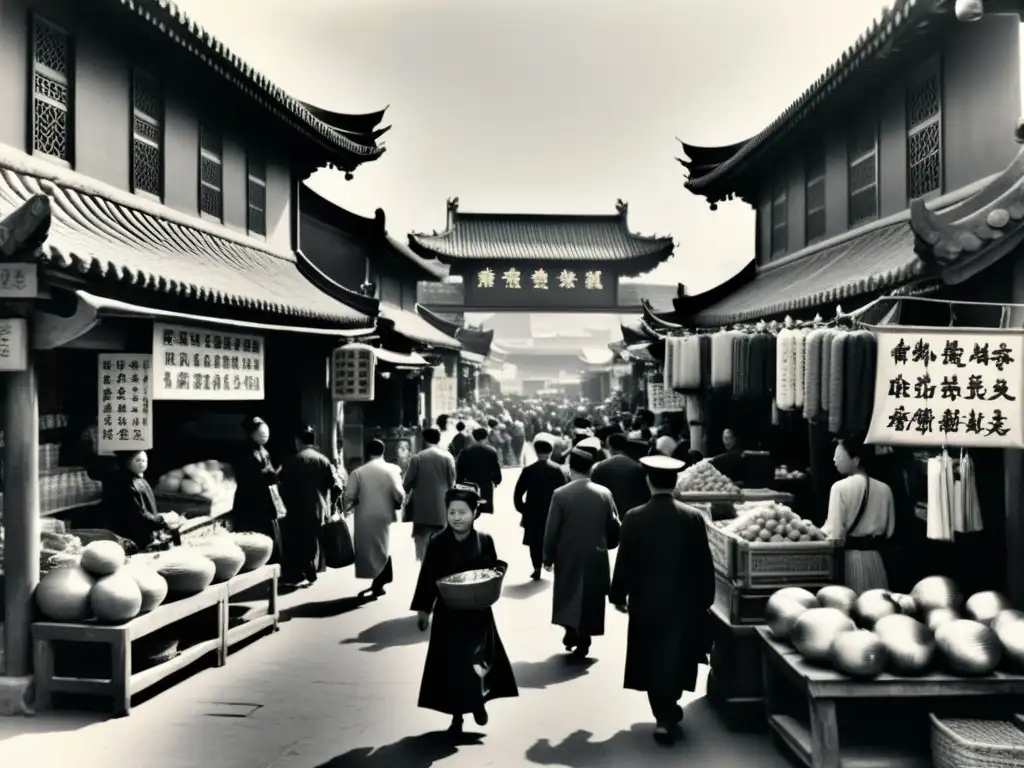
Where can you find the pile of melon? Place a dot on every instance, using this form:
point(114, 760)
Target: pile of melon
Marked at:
point(704, 477)
point(766, 522)
point(210, 480)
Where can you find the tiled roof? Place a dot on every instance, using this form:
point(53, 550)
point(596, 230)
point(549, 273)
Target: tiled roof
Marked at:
point(416, 329)
point(972, 236)
point(475, 340)
point(540, 236)
point(103, 232)
point(906, 20)
point(330, 130)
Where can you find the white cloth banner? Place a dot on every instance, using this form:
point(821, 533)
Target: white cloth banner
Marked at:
point(948, 386)
point(201, 364)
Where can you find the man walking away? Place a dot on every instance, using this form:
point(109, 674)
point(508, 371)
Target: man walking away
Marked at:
point(309, 485)
point(375, 494)
point(623, 475)
point(532, 496)
point(478, 464)
point(460, 440)
point(664, 579)
point(582, 526)
point(430, 475)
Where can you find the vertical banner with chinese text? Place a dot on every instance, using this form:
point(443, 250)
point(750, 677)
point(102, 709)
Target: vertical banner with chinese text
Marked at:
point(948, 386)
point(125, 395)
point(200, 364)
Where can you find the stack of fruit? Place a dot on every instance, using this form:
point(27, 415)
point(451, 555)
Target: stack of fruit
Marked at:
point(703, 477)
point(767, 522)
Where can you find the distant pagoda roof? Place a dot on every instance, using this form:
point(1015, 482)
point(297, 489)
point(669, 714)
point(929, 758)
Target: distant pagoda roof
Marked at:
point(549, 237)
point(719, 173)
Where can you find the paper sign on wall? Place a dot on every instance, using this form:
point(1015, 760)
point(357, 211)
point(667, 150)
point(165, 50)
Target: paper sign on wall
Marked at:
point(192, 363)
point(125, 403)
point(13, 344)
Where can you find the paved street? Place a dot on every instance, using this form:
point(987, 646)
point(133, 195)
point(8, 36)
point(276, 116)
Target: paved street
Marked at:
point(337, 687)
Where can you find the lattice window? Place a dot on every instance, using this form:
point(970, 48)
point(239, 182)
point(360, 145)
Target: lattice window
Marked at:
point(51, 91)
point(211, 172)
point(862, 154)
point(814, 171)
point(924, 135)
point(257, 193)
point(147, 134)
point(780, 214)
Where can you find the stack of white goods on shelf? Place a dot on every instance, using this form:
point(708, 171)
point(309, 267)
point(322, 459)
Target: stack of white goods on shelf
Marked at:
point(210, 480)
point(768, 522)
point(704, 477)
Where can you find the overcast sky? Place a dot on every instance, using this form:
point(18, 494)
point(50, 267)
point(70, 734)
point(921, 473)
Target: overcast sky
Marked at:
point(547, 106)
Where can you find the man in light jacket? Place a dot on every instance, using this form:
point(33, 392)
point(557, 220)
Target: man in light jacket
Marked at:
point(375, 494)
point(430, 475)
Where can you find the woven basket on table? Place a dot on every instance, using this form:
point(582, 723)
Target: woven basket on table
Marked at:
point(476, 595)
point(976, 743)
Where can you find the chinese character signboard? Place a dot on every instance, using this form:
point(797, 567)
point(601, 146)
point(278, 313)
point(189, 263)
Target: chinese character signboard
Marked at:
point(444, 393)
point(198, 364)
point(19, 281)
point(353, 373)
point(13, 344)
point(539, 284)
point(662, 400)
point(948, 386)
point(125, 394)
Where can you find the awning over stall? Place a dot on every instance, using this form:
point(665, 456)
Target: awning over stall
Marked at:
point(397, 359)
point(416, 329)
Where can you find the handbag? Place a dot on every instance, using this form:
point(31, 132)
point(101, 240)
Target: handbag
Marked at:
point(336, 543)
point(279, 508)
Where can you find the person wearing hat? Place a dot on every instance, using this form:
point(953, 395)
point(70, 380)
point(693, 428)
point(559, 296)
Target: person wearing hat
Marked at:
point(532, 496)
point(431, 473)
point(466, 664)
point(255, 507)
point(582, 525)
point(375, 494)
point(622, 475)
point(665, 580)
point(309, 485)
point(479, 464)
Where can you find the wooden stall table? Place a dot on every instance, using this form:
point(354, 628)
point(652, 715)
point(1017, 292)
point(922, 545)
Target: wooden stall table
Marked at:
point(269, 617)
point(818, 746)
point(123, 683)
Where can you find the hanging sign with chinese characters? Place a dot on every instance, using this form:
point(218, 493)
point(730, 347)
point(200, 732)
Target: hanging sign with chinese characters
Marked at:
point(125, 393)
point(199, 364)
point(353, 369)
point(960, 387)
point(540, 285)
point(19, 281)
point(13, 344)
point(444, 397)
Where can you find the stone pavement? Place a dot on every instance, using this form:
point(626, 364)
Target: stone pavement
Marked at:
point(336, 687)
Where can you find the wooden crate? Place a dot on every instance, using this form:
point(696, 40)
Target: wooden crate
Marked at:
point(745, 606)
point(781, 564)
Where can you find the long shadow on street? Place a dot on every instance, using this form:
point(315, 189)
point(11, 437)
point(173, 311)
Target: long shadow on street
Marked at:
point(389, 634)
point(411, 752)
point(525, 590)
point(705, 743)
point(323, 609)
point(560, 668)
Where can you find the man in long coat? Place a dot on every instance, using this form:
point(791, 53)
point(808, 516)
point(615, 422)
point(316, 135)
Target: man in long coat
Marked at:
point(309, 484)
point(582, 526)
point(664, 579)
point(622, 475)
point(430, 474)
point(375, 493)
point(478, 464)
point(532, 496)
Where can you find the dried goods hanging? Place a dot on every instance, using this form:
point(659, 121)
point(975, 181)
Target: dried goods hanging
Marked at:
point(967, 505)
point(940, 498)
point(785, 370)
point(800, 368)
point(837, 381)
point(722, 344)
point(740, 357)
point(812, 374)
point(859, 361)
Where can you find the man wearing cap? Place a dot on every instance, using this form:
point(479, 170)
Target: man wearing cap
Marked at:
point(622, 475)
point(532, 496)
point(430, 475)
point(582, 526)
point(664, 579)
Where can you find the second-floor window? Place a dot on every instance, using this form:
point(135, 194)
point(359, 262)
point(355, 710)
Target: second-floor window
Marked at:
point(924, 134)
point(147, 134)
point(862, 153)
point(815, 194)
point(780, 213)
point(257, 193)
point(51, 91)
point(211, 172)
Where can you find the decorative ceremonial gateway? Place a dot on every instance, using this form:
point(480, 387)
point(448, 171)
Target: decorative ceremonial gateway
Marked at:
point(533, 262)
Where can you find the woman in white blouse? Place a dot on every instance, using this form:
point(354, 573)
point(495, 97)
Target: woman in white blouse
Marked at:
point(862, 517)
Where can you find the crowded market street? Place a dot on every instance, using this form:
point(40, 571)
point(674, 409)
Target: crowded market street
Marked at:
point(336, 687)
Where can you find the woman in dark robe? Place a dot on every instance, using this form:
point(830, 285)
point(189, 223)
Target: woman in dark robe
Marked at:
point(466, 663)
point(128, 500)
point(254, 507)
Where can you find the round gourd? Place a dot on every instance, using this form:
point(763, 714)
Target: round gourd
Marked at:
point(859, 654)
point(969, 648)
point(116, 599)
point(226, 556)
point(1009, 628)
point(815, 631)
point(169, 484)
point(873, 605)
point(985, 606)
point(187, 572)
point(837, 596)
point(63, 595)
point(102, 558)
point(934, 592)
point(910, 644)
point(152, 585)
point(257, 547)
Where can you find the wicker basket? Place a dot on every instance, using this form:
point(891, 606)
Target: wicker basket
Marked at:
point(976, 743)
point(473, 596)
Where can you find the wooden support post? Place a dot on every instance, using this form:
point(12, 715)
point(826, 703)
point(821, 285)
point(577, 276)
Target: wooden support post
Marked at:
point(21, 516)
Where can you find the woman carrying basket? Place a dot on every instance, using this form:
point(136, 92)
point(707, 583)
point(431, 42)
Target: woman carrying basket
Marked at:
point(466, 664)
